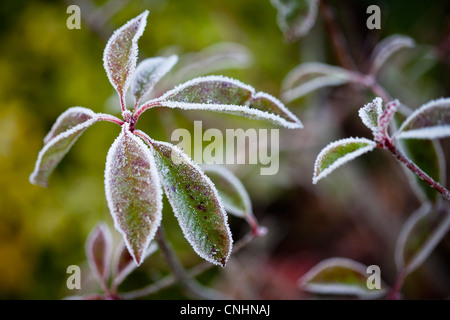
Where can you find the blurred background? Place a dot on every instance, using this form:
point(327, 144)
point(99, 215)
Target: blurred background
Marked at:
point(357, 212)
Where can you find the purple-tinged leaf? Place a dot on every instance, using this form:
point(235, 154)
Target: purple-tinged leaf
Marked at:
point(340, 276)
point(338, 153)
point(98, 251)
point(419, 236)
point(133, 192)
point(232, 193)
point(120, 55)
point(124, 263)
point(386, 48)
point(386, 117)
point(195, 202)
point(230, 96)
point(55, 149)
point(148, 73)
point(311, 76)
point(431, 121)
point(296, 17)
point(69, 119)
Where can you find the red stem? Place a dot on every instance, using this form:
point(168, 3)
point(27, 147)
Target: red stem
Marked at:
point(144, 107)
point(109, 118)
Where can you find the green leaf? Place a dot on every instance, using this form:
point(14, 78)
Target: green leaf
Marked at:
point(227, 95)
point(57, 146)
point(420, 235)
point(431, 121)
point(133, 192)
point(98, 251)
point(340, 276)
point(195, 203)
point(233, 194)
point(120, 55)
point(338, 153)
point(386, 48)
point(371, 113)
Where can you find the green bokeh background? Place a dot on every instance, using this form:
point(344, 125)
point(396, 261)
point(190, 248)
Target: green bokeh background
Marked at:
point(46, 68)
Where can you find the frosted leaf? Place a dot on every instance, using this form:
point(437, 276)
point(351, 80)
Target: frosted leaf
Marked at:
point(232, 192)
point(148, 73)
point(386, 48)
point(338, 153)
point(419, 236)
point(311, 76)
point(217, 57)
point(371, 113)
point(340, 276)
point(98, 251)
point(385, 119)
point(296, 17)
point(69, 119)
point(124, 263)
point(431, 121)
point(221, 94)
point(54, 150)
point(195, 202)
point(120, 55)
point(133, 192)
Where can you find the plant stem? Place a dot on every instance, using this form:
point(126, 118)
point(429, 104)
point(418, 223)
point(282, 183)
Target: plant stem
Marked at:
point(110, 118)
point(142, 108)
point(171, 279)
point(395, 291)
point(389, 145)
point(337, 39)
point(178, 270)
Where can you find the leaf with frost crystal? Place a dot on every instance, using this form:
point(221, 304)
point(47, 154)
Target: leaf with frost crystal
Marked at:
point(148, 73)
point(120, 55)
point(370, 114)
point(98, 251)
point(386, 48)
point(57, 147)
point(69, 119)
point(431, 121)
point(419, 236)
point(311, 76)
point(338, 153)
point(233, 194)
point(133, 192)
point(340, 276)
point(195, 202)
point(296, 17)
point(221, 94)
point(124, 263)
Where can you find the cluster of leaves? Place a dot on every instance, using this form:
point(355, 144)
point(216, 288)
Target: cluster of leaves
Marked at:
point(139, 168)
point(412, 142)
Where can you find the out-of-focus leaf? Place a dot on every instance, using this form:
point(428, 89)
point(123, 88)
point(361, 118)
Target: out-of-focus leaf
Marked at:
point(217, 57)
point(124, 263)
point(120, 55)
point(233, 194)
point(296, 17)
point(386, 48)
point(148, 73)
point(56, 148)
point(420, 234)
point(338, 153)
point(340, 276)
point(133, 192)
point(227, 95)
point(98, 251)
point(195, 202)
point(431, 121)
point(69, 119)
point(311, 76)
